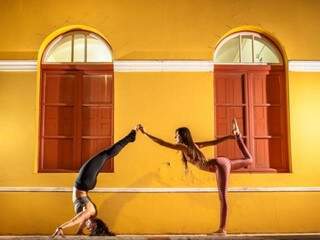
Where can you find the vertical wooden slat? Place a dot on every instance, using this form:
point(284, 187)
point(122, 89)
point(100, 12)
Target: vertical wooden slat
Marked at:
point(97, 114)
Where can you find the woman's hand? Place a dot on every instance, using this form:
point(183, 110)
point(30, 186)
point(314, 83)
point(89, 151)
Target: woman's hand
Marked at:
point(141, 129)
point(80, 232)
point(58, 232)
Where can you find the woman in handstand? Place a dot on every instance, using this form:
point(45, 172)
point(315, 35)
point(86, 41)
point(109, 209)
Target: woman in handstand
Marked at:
point(85, 209)
point(220, 165)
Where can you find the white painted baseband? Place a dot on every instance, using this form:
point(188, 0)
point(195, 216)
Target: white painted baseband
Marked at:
point(18, 65)
point(164, 66)
point(304, 66)
point(156, 66)
point(163, 190)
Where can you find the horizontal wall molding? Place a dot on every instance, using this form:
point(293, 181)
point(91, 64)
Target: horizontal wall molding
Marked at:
point(304, 66)
point(163, 190)
point(156, 66)
point(163, 66)
point(18, 65)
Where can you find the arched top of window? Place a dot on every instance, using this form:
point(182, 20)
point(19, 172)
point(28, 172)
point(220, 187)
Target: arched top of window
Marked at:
point(247, 48)
point(78, 47)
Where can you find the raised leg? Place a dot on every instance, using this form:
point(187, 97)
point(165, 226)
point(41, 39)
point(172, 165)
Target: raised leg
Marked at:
point(117, 147)
point(87, 177)
point(99, 160)
point(244, 162)
point(247, 160)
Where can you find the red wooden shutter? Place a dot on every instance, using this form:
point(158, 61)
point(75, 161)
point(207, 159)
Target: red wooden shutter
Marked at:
point(58, 121)
point(259, 110)
point(230, 103)
point(278, 125)
point(76, 116)
point(256, 96)
point(97, 115)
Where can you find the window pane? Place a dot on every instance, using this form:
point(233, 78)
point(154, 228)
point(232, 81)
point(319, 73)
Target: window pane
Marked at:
point(246, 49)
point(78, 48)
point(229, 52)
point(60, 51)
point(97, 50)
point(265, 52)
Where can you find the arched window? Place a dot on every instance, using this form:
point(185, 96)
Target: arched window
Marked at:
point(249, 79)
point(78, 47)
point(76, 101)
point(248, 48)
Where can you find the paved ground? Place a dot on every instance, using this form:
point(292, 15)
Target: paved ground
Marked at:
point(305, 236)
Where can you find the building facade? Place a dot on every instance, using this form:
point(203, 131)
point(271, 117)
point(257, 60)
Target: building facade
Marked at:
point(163, 64)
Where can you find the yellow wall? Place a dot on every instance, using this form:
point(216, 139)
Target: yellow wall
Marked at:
point(166, 213)
point(160, 29)
point(162, 102)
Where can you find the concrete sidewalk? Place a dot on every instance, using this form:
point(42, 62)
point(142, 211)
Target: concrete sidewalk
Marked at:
point(293, 236)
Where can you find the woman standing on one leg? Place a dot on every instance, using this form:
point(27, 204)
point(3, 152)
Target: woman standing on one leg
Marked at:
point(221, 166)
point(85, 209)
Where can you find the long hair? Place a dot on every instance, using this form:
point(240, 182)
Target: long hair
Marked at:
point(101, 229)
point(186, 139)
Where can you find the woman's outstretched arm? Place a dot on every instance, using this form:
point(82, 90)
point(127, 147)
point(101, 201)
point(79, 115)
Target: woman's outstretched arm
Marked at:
point(176, 146)
point(80, 218)
point(214, 142)
point(80, 228)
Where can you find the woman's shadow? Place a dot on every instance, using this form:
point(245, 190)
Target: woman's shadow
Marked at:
point(112, 205)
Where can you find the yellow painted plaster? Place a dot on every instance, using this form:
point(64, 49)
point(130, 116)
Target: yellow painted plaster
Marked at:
point(162, 102)
point(151, 29)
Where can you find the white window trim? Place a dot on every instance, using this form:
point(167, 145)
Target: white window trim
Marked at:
point(158, 66)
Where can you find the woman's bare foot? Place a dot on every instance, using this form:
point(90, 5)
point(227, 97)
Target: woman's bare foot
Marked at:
point(235, 128)
point(220, 231)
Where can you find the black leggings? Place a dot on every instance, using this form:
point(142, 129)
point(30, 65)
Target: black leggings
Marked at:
point(89, 171)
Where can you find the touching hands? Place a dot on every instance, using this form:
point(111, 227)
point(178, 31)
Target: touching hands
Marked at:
point(140, 128)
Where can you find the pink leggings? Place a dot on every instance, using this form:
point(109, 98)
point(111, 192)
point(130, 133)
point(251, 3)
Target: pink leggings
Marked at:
point(222, 166)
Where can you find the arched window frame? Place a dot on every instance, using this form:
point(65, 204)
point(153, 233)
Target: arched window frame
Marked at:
point(253, 36)
point(72, 33)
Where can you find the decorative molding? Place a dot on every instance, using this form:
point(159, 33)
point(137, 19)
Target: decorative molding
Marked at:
point(304, 66)
point(163, 190)
point(156, 66)
point(18, 65)
point(163, 66)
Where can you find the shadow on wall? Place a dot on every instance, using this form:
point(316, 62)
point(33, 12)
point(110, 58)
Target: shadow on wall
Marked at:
point(111, 207)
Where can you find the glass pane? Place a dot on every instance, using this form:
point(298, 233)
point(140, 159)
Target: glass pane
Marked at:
point(97, 50)
point(229, 52)
point(60, 51)
point(246, 49)
point(78, 48)
point(265, 52)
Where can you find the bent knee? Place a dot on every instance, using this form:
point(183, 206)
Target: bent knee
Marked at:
point(249, 160)
point(224, 163)
point(222, 160)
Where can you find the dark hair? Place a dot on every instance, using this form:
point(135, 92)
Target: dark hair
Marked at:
point(101, 228)
point(186, 139)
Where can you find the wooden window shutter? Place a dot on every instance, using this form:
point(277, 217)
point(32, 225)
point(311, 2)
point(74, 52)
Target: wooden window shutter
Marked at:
point(256, 97)
point(76, 116)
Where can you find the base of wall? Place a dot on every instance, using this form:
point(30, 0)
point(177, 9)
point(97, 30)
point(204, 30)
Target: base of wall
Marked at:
point(287, 236)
